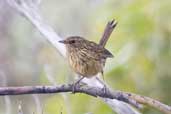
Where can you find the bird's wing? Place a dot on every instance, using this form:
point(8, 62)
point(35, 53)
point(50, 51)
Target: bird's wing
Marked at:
point(107, 53)
point(97, 52)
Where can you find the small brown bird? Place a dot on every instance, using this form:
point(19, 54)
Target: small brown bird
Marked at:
point(85, 57)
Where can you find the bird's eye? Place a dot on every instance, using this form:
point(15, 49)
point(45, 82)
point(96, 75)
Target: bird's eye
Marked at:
point(72, 41)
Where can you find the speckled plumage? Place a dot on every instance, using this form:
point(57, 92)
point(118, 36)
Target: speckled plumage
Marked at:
point(85, 57)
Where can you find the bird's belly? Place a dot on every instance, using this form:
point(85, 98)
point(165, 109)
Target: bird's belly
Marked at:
point(87, 68)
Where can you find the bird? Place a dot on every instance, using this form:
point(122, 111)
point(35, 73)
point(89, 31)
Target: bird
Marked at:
point(86, 58)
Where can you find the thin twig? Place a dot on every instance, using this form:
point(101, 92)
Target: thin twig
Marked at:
point(151, 102)
point(130, 98)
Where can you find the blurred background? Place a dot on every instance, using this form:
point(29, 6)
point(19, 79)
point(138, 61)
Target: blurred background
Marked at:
point(141, 43)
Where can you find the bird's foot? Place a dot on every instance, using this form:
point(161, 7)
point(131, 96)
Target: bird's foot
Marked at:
point(74, 86)
point(104, 89)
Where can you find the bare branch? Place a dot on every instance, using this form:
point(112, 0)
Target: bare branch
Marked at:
point(130, 98)
point(151, 102)
point(93, 91)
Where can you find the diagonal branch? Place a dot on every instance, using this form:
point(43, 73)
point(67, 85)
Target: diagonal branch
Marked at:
point(130, 98)
point(29, 10)
point(151, 102)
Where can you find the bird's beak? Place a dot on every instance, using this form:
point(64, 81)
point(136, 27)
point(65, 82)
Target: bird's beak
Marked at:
point(63, 41)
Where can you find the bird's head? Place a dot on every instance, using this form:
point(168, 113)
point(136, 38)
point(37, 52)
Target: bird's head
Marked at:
point(73, 41)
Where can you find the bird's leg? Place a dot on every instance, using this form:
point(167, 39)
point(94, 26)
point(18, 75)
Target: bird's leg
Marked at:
point(76, 83)
point(104, 89)
point(104, 85)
